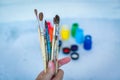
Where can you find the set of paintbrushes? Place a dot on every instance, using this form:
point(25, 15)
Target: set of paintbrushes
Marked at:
point(49, 49)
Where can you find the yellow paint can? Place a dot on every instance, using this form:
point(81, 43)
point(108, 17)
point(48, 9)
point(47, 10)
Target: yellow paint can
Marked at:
point(65, 33)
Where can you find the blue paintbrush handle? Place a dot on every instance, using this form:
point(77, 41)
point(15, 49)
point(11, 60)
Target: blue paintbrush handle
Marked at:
point(48, 44)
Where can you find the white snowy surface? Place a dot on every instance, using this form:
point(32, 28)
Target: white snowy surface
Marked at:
point(20, 56)
point(21, 10)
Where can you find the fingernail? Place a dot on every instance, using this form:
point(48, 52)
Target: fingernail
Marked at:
point(50, 64)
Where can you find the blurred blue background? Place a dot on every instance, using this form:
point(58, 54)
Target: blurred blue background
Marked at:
point(20, 56)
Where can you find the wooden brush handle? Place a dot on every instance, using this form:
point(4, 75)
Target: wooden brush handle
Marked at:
point(53, 47)
point(56, 57)
point(42, 44)
point(44, 53)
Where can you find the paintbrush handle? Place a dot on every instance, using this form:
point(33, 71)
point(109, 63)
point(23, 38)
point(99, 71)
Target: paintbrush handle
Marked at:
point(44, 55)
point(57, 48)
point(56, 57)
point(53, 46)
point(55, 51)
point(48, 44)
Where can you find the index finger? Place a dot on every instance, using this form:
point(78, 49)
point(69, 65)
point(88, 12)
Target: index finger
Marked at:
point(64, 61)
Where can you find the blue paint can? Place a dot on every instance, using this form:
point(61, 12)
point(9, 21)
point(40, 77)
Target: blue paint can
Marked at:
point(79, 37)
point(88, 42)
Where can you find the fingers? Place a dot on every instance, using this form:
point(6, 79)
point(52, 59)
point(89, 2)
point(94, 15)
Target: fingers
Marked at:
point(51, 69)
point(40, 75)
point(49, 73)
point(59, 75)
point(63, 61)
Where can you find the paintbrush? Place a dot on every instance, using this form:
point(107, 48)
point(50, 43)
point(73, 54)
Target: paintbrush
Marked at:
point(47, 41)
point(36, 14)
point(53, 40)
point(55, 49)
point(42, 40)
point(40, 31)
point(37, 17)
point(57, 41)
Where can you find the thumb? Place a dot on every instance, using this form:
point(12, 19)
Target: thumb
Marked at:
point(50, 71)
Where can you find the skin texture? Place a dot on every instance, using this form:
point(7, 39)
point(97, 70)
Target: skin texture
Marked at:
point(49, 75)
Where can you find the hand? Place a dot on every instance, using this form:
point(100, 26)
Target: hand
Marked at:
point(49, 75)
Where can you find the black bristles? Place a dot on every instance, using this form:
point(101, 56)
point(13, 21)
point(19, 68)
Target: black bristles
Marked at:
point(46, 24)
point(35, 11)
point(57, 19)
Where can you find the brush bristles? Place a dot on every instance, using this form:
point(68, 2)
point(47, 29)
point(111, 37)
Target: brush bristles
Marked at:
point(35, 10)
point(57, 19)
point(46, 24)
point(41, 16)
point(54, 20)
